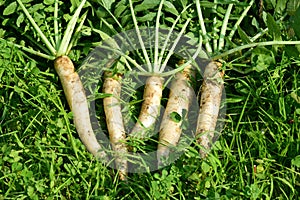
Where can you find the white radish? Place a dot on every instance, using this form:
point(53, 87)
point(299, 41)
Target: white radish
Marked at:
point(150, 108)
point(72, 86)
point(75, 95)
point(114, 121)
point(180, 97)
point(154, 85)
point(211, 96)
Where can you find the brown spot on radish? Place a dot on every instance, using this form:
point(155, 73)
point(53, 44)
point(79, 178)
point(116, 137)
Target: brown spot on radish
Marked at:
point(211, 93)
point(63, 66)
point(114, 121)
point(179, 100)
point(77, 101)
point(150, 107)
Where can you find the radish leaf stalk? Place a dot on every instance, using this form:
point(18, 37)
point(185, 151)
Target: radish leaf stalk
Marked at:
point(151, 105)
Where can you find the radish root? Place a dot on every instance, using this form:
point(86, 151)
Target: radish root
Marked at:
point(114, 121)
point(211, 95)
point(150, 109)
point(77, 101)
point(179, 102)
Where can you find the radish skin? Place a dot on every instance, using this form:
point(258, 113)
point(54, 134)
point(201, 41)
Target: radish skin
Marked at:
point(75, 95)
point(179, 101)
point(114, 121)
point(211, 95)
point(150, 109)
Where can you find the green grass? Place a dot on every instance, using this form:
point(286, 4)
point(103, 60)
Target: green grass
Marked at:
point(42, 156)
point(256, 157)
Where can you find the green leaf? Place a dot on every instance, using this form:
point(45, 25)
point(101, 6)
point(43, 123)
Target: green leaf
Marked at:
point(170, 19)
point(20, 19)
point(282, 110)
point(175, 117)
point(255, 23)
point(244, 36)
point(10, 9)
point(169, 7)
point(296, 161)
point(184, 3)
point(74, 5)
point(292, 6)
point(205, 167)
point(287, 183)
point(280, 6)
point(30, 191)
point(295, 22)
point(49, 2)
point(107, 4)
point(147, 17)
point(262, 58)
point(120, 8)
point(273, 27)
point(295, 97)
point(146, 5)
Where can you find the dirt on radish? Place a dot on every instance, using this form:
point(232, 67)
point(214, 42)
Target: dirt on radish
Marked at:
point(114, 121)
point(76, 98)
point(180, 98)
point(150, 108)
point(210, 101)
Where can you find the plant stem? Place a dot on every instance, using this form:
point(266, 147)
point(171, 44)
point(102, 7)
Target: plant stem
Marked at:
point(171, 51)
point(68, 33)
point(76, 34)
point(215, 29)
point(162, 51)
point(258, 35)
point(224, 27)
point(56, 32)
point(165, 74)
point(37, 28)
point(157, 36)
point(203, 29)
point(140, 37)
point(37, 53)
point(119, 52)
point(240, 20)
point(121, 27)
